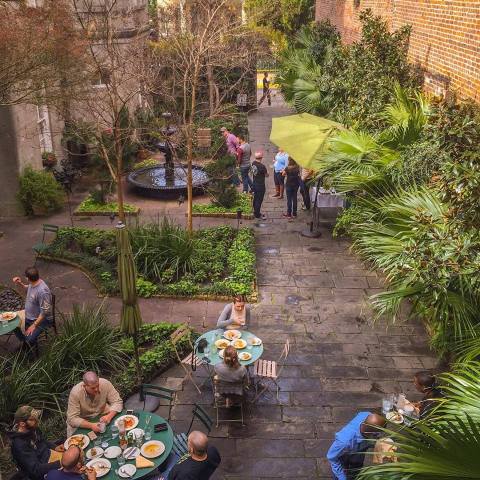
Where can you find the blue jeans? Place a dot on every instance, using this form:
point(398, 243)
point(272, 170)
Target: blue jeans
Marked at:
point(291, 191)
point(246, 180)
point(32, 338)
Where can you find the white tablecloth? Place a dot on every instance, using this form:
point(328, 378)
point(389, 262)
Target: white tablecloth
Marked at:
point(334, 200)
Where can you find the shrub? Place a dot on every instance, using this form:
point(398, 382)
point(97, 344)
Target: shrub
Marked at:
point(145, 288)
point(149, 162)
point(39, 192)
point(221, 191)
point(91, 204)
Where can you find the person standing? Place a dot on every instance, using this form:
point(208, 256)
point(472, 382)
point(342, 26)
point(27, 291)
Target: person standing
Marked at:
point(244, 153)
point(347, 453)
point(259, 172)
point(292, 183)
point(38, 313)
point(266, 90)
point(279, 165)
point(231, 142)
point(305, 178)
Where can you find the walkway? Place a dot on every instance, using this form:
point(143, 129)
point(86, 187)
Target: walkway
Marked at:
point(313, 292)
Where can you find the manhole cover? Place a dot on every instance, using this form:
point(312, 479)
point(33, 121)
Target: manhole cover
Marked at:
point(270, 251)
point(315, 249)
point(293, 299)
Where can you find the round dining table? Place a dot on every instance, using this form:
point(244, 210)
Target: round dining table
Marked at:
point(10, 326)
point(211, 351)
point(166, 437)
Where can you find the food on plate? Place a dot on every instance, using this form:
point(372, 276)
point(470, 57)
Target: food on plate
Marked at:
point(239, 343)
point(8, 315)
point(76, 440)
point(129, 421)
point(232, 334)
point(100, 465)
point(244, 356)
point(395, 417)
point(93, 452)
point(142, 462)
point(222, 343)
point(256, 341)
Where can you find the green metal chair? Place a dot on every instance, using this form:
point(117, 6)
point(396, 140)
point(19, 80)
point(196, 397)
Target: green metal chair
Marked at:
point(42, 246)
point(180, 446)
point(147, 389)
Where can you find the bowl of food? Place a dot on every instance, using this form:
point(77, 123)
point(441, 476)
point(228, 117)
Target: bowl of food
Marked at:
point(222, 343)
point(239, 343)
point(152, 449)
point(232, 334)
point(395, 417)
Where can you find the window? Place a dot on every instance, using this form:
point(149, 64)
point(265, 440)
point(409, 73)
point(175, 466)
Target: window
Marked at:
point(45, 132)
point(102, 79)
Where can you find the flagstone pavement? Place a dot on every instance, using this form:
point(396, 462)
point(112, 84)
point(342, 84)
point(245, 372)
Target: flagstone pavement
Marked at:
point(312, 292)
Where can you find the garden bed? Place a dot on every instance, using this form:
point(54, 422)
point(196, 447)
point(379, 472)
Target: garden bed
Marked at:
point(213, 264)
point(89, 207)
point(211, 210)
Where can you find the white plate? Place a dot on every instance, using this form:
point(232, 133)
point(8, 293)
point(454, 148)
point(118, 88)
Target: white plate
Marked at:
point(234, 334)
point(395, 417)
point(123, 417)
point(112, 452)
point(13, 316)
point(98, 453)
point(133, 452)
point(160, 445)
point(126, 471)
point(256, 341)
point(136, 432)
point(95, 463)
point(245, 356)
point(85, 443)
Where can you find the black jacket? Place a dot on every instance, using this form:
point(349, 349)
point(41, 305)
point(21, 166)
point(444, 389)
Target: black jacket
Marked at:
point(31, 452)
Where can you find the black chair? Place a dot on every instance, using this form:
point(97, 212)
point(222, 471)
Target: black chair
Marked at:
point(147, 389)
point(180, 446)
point(39, 248)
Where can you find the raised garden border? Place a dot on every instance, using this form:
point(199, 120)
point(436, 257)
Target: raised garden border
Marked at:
point(78, 213)
point(223, 215)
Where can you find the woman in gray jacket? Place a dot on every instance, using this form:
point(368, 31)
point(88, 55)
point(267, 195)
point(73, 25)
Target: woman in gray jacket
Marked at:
point(234, 315)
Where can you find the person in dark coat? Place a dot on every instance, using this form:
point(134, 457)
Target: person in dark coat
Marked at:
point(31, 452)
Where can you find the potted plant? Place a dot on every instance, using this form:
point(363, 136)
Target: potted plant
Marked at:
point(49, 159)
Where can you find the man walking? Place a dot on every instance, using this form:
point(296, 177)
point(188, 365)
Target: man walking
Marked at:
point(38, 312)
point(244, 152)
point(266, 90)
point(259, 172)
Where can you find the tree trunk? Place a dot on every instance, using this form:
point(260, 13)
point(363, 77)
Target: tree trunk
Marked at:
point(212, 100)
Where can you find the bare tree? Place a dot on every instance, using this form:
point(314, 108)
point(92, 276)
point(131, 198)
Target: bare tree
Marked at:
point(204, 49)
point(120, 71)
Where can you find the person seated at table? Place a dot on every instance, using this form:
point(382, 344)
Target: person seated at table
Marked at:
point(38, 314)
point(32, 454)
point(426, 383)
point(93, 397)
point(73, 466)
point(347, 453)
point(230, 375)
point(200, 463)
point(235, 315)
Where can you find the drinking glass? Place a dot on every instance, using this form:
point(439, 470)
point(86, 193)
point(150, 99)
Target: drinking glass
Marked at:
point(250, 343)
point(147, 422)
point(102, 426)
point(121, 461)
point(97, 442)
point(114, 431)
point(148, 435)
point(3, 322)
point(387, 405)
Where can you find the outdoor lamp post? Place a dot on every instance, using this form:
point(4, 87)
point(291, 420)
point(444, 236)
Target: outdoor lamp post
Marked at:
point(67, 186)
point(239, 217)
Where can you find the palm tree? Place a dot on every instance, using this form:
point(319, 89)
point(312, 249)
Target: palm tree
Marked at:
point(446, 444)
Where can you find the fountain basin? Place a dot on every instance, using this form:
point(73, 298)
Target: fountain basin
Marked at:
point(161, 182)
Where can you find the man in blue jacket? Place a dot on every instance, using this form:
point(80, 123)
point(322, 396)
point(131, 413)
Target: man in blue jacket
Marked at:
point(347, 453)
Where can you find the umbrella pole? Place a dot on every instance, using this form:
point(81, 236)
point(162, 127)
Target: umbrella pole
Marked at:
point(137, 359)
point(313, 231)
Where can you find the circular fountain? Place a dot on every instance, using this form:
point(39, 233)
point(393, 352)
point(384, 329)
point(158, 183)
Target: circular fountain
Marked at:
point(165, 181)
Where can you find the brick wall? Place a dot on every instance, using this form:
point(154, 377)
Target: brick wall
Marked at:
point(445, 37)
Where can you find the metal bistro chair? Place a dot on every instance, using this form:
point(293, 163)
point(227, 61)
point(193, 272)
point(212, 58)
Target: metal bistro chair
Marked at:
point(191, 361)
point(221, 391)
point(180, 446)
point(269, 371)
point(38, 248)
point(148, 390)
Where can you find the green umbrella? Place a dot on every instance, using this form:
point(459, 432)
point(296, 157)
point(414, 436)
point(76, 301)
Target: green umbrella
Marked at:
point(131, 319)
point(302, 136)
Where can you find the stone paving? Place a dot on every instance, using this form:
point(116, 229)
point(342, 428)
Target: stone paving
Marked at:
point(313, 292)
